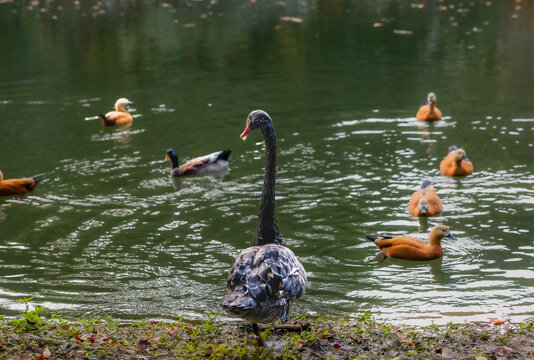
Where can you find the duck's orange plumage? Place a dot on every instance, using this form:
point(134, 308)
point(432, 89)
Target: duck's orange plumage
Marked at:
point(456, 163)
point(404, 247)
point(18, 186)
point(429, 111)
point(120, 116)
point(425, 201)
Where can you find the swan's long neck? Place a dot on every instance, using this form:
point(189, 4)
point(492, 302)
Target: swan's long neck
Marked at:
point(267, 231)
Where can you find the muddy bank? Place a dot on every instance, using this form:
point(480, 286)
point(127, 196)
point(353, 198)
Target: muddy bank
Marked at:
point(34, 336)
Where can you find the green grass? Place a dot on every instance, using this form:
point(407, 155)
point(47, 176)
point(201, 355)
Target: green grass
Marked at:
point(35, 334)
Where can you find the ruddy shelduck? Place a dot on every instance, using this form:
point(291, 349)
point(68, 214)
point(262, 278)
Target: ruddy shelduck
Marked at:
point(404, 247)
point(19, 186)
point(456, 163)
point(216, 161)
point(120, 116)
point(429, 111)
point(425, 201)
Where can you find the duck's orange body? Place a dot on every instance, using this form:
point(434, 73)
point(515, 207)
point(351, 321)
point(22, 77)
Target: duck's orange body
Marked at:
point(425, 201)
point(429, 111)
point(456, 163)
point(18, 186)
point(120, 116)
point(409, 248)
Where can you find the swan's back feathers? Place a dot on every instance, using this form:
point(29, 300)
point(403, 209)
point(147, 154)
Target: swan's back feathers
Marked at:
point(263, 283)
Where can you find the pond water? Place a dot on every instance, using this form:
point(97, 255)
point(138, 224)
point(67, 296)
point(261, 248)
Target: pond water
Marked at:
point(110, 232)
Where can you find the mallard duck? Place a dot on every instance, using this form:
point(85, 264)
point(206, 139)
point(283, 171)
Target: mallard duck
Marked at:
point(19, 186)
point(120, 116)
point(425, 201)
point(267, 277)
point(429, 111)
point(216, 161)
point(404, 247)
point(456, 163)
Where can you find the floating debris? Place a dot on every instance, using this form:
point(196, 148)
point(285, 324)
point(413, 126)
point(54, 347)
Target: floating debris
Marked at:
point(291, 19)
point(378, 24)
point(403, 32)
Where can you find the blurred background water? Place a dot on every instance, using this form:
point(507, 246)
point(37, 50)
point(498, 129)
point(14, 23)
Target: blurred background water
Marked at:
point(110, 232)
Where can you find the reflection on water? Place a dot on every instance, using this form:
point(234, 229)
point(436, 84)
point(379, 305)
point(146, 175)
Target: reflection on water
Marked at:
point(110, 232)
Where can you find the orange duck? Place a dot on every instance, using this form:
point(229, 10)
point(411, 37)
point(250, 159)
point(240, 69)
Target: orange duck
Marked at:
point(409, 248)
point(18, 186)
point(429, 111)
point(216, 161)
point(425, 201)
point(120, 116)
point(456, 163)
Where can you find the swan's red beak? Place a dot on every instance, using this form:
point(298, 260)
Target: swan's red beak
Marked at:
point(245, 133)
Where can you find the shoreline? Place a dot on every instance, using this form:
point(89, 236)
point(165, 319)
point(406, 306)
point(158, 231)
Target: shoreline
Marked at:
point(37, 334)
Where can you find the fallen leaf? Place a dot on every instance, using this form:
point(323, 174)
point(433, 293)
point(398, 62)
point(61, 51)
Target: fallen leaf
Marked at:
point(480, 358)
point(337, 346)
point(447, 353)
point(378, 24)
point(499, 322)
point(47, 353)
point(291, 19)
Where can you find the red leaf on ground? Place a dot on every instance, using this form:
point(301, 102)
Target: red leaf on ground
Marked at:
point(143, 343)
point(39, 357)
point(337, 346)
point(154, 322)
point(65, 327)
point(105, 339)
point(77, 337)
point(91, 339)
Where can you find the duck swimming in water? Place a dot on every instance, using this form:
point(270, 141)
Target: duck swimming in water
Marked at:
point(19, 186)
point(425, 201)
point(404, 247)
point(456, 163)
point(120, 116)
point(429, 111)
point(216, 161)
point(266, 278)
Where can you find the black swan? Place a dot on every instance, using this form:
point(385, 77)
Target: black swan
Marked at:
point(266, 278)
point(213, 162)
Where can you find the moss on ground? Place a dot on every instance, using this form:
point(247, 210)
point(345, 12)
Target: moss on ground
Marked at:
point(34, 336)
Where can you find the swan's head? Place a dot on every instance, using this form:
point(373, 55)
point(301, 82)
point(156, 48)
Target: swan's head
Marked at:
point(431, 98)
point(256, 120)
point(120, 105)
point(440, 232)
point(459, 155)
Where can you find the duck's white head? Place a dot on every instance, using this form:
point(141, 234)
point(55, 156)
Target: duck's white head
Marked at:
point(120, 105)
point(431, 98)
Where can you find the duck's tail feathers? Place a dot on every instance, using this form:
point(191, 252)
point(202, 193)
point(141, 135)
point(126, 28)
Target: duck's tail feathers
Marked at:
point(452, 148)
point(38, 178)
point(106, 121)
point(225, 154)
point(374, 238)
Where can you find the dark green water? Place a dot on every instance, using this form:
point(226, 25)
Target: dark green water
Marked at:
point(110, 232)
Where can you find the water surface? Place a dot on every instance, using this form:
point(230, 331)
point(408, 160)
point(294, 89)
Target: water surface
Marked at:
point(110, 232)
